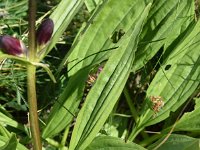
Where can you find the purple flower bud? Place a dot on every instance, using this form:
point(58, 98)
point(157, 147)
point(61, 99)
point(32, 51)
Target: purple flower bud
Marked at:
point(12, 46)
point(44, 31)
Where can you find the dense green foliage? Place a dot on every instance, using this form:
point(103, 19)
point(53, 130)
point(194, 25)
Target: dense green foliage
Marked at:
point(127, 75)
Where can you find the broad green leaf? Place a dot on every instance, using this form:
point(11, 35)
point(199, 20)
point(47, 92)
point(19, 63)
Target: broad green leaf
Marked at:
point(97, 38)
point(177, 142)
point(92, 4)
point(4, 132)
point(112, 143)
point(107, 89)
point(176, 84)
point(10, 143)
point(60, 116)
point(4, 121)
point(116, 126)
point(166, 21)
point(62, 16)
point(88, 51)
point(190, 121)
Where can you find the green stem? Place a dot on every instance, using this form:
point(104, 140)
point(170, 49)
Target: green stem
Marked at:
point(64, 138)
point(32, 100)
point(134, 133)
point(31, 78)
point(53, 142)
point(130, 104)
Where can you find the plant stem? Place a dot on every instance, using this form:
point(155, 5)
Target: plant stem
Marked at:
point(32, 100)
point(31, 28)
point(31, 78)
point(134, 133)
point(64, 139)
point(130, 104)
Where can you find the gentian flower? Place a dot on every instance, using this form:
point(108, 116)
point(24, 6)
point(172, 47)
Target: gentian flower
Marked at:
point(12, 46)
point(44, 32)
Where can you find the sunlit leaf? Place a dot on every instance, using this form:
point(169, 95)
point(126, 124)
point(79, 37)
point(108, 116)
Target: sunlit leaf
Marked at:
point(92, 4)
point(10, 143)
point(190, 121)
point(176, 84)
point(166, 21)
point(88, 50)
point(98, 35)
point(62, 17)
point(177, 142)
point(111, 143)
point(107, 89)
point(4, 120)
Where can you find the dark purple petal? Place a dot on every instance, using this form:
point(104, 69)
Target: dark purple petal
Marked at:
point(44, 31)
point(12, 46)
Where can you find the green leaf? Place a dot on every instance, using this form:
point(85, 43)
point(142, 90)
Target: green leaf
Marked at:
point(176, 84)
point(87, 51)
point(4, 120)
point(107, 89)
point(10, 143)
point(190, 121)
point(46, 68)
point(4, 132)
point(92, 4)
point(60, 116)
point(177, 142)
point(62, 17)
point(166, 21)
point(116, 126)
point(90, 47)
point(112, 143)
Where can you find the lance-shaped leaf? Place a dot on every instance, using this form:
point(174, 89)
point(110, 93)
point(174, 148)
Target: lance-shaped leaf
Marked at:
point(177, 142)
point(190, 121)
point(166, 21)
point(87, 51)
point(10, 122)
point(62, 17)
point(107, 89)
point(112, 17)
point(175, 84)
point(112, 143)
point(91, 4)
point(10, 143)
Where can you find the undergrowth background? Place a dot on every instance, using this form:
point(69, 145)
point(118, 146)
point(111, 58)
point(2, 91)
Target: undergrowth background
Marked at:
point(133, 117)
